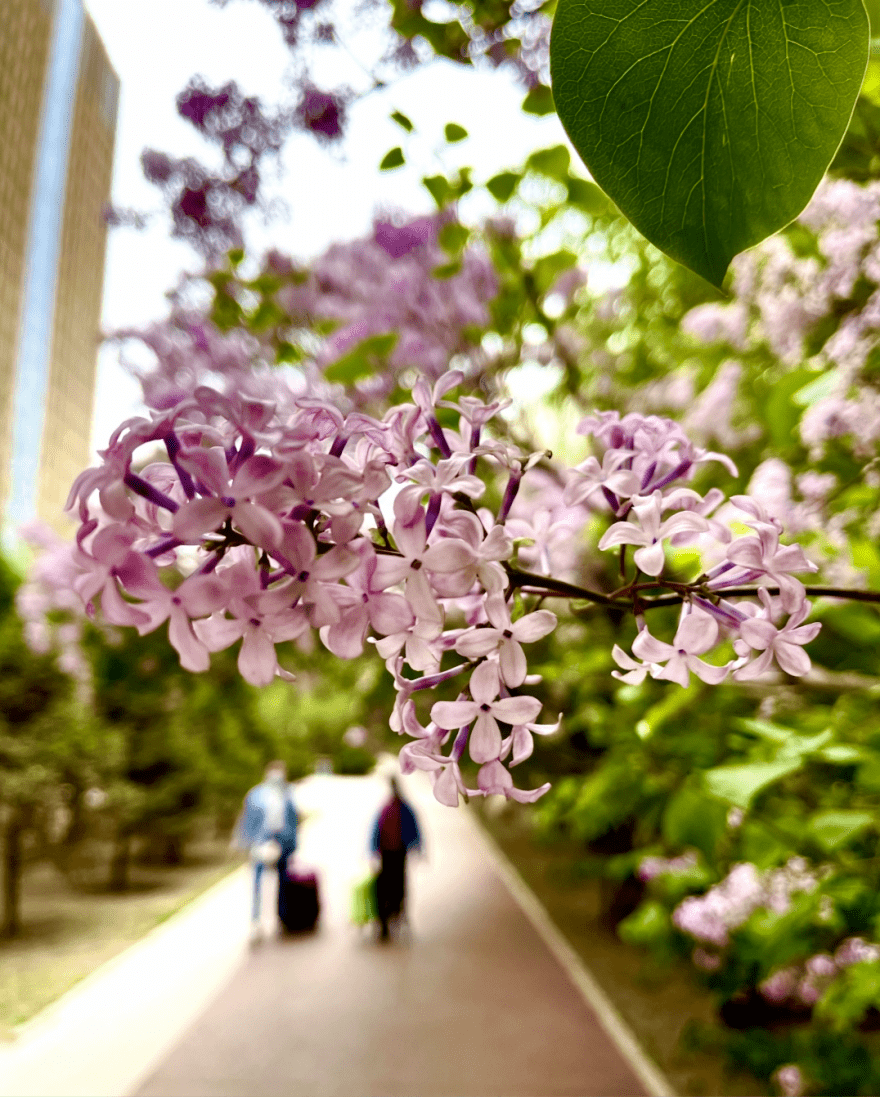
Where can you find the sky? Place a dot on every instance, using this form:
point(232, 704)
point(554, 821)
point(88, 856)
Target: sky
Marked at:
point(329, 194)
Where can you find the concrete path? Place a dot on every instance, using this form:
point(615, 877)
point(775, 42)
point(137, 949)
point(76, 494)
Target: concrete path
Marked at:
point(477, 1004)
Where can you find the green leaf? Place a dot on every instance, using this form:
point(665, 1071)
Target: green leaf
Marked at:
point(548, 268)
point(842, 754)
point(453, 237)
point(850, 996)
point(402, 121)
point(692, 818)
point(267, 315)
point(646, 925)
point(447, 270)
point(767, 730)
point(781, 414)
point(586, 195)
point(288, 352)
point(392, 159)
point(835, 829)
point(738, 785)
point(823, 386)
point(552, 162)
point(709, 122)
point(438, 187)
point(363, 360)
point(454, 132)
point(539, 101)
point(502, 186)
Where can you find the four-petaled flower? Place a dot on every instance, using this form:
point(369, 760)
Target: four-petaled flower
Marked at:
point(649, 532)
point(506, 637)
point(484, 711)
point(764, 554)
point(786, 644)
point(696, 634)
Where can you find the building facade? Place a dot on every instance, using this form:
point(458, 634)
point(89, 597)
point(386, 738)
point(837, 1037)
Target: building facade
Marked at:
point(58, 99)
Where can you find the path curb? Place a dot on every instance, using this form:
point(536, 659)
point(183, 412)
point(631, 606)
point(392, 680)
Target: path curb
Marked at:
point(649, 1074)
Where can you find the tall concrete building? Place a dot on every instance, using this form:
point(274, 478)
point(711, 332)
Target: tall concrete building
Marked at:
point(58, 99)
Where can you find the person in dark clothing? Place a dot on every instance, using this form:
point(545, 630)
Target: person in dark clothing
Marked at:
point(395, 833)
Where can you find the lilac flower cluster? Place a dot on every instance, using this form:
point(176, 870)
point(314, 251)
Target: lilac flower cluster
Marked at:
point(710, 917)
point(386, 283)
point(791, 1081)
point(48, 605)
point(262, 526)
point(640, 476)
point(781, 297)
point(804, 984)
point(652, 867)
point(268, 521)
point(373, 286)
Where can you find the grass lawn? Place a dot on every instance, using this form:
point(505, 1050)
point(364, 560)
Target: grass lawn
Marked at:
point(657, 1002)
point(69, 932)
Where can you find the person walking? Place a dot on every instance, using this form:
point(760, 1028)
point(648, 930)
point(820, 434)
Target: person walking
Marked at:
point(267, 829)
point(395, 833)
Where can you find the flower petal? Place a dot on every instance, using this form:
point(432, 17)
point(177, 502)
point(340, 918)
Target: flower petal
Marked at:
point(623, 533)
point(793, 659)
point(256, 659)
point(485, 741)
point(259, 525)
point(649, 648)
point(477, 642)
point(389, 613)
point(534, 626)
point(197, 517)
point(258, 474)
point(758, 633)
point(651, 558)
point(346, 638)
point(528, 796)
point(446, 788)
point(756, 668)
point(485, 683)
point(203, 594)
point(421, 597)
point(512, 661)
point(453, 714)
point(449, 555)
point(193, 653)
point(708, 673)
point(697, 633)
point(117, 611)
point(516, 710)
point(494, 780)
point(676, 670)
point(389, 571)
point(218, 632)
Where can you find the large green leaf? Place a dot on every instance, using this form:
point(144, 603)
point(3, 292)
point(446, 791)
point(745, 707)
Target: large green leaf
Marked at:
point(739, 784)
point(836, 829)
point(709, 122)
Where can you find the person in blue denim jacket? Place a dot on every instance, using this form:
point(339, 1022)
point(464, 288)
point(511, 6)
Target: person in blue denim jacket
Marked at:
point(269, 815)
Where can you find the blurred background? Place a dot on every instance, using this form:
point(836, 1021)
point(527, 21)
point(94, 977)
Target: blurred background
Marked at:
point(169, 170)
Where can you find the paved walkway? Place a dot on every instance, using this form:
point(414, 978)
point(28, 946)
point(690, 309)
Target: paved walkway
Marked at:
point(476, 1005)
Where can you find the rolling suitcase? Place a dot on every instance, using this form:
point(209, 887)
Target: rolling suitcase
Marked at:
point(299, 903)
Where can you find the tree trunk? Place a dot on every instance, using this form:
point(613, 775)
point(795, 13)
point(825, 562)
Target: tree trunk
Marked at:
point(118, 880)
point(12, 870)
point(172, 851)
point(77, 824)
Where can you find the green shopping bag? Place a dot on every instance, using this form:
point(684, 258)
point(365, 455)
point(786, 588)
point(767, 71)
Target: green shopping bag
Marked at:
point(363, 902)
